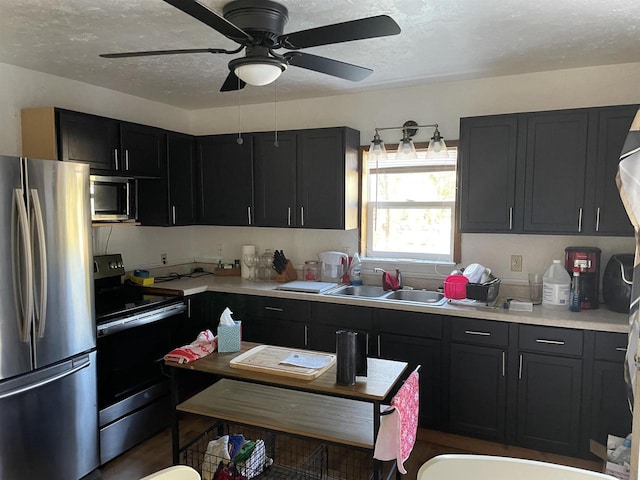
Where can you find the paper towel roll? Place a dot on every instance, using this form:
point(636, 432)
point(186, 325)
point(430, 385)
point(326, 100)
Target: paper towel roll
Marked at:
point(247, 272)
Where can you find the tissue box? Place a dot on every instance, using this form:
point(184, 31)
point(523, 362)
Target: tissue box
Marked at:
point(229, 337)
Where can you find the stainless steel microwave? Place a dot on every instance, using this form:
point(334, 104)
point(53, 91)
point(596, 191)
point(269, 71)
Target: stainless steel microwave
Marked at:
point(113, 199)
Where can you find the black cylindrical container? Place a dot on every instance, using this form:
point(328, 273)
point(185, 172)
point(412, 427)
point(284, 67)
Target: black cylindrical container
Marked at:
point(346, 350)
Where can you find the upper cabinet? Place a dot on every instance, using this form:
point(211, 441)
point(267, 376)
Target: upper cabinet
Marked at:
point(545, 172)
point(181, 176)
point(109, 146)
point(309, 179)
point(225, 180)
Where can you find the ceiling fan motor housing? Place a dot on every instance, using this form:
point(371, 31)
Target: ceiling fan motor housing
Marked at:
point(263, 19)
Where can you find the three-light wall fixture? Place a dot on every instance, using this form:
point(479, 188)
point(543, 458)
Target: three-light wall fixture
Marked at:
point(406, 149)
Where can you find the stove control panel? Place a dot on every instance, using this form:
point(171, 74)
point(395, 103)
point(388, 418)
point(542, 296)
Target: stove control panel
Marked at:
point(105, 266)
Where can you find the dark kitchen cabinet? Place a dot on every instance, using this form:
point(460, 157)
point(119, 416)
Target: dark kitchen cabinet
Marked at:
point(309, 180)
point(555, 155)
point(478, 378)
point(550, 389)
point(488, 173)
point(144, 151)
point(109, 146)
point(181, 177)
point(225, 180)
point(415, 338)
point(88, 139)
point(610, 217)
point(276, 321)
point(327, 318)
point(610, 413)
point(275, 170)
point(557, 178)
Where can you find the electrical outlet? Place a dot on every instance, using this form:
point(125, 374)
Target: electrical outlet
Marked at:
point(163, 257)
point(220, 251)
point(516, 263)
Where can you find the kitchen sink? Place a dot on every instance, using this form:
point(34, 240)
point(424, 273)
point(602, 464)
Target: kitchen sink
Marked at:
point(368, 291)
point(422, 296)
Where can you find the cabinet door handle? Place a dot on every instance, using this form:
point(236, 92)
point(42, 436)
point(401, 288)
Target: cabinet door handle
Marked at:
point(188, 308)
point(249, 214)
point(598, 219)
point(126, 160)
point(366, 347)
point(621, 349)
point(378, 345)
point(510, 218)
point(306, 336)
point(520, 368)
point(580, 220)
point(504, 363)
point(115, 157)
point(289, 216)
point(274, 309)
point(474, 332)
point(302, 216)
point(550, 342)
point(173, 213)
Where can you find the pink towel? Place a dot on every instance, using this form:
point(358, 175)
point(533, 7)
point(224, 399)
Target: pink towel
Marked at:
point(398, 429)
point(200, 347)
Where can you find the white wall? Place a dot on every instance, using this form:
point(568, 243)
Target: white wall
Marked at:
point(443, 103)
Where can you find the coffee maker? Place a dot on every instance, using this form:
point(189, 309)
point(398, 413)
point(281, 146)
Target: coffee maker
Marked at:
point(587, 259)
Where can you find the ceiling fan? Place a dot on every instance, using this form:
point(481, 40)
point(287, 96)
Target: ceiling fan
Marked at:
point(257, 25)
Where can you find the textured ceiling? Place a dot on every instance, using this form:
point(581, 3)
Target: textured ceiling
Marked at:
point(440, 41)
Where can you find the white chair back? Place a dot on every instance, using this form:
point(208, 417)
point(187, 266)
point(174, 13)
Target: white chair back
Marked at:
point(178, 472)
point(485, 467)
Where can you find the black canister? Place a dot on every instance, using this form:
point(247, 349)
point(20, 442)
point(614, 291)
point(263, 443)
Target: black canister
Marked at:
point(346, 350)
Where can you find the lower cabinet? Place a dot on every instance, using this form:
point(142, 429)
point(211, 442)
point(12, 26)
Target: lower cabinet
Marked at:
point(478, 378)
point(275, 321)
point(327, 318)
point(610, 413)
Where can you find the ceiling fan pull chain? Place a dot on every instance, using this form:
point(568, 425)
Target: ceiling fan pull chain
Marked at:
point(275, 113)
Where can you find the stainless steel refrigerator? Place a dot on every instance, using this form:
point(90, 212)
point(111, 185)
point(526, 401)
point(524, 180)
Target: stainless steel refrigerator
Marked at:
point(48, 399)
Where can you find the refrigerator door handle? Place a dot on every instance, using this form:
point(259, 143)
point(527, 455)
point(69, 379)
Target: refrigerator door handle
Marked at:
point(76, 365)
point(38, 234)
point(23, 290)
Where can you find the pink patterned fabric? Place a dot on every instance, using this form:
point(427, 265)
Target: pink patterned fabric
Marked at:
point(200, 347)
point(398, 428)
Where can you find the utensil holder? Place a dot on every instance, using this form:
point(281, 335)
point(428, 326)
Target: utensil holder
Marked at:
point(289, 274)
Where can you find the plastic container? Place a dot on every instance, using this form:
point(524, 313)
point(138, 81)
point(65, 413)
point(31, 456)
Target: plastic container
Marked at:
point(556, 286)
point(355, 270)
point(622, 454)
point(455, 287)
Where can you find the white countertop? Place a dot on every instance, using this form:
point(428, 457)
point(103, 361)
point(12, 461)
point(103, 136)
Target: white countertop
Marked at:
point(600, 319)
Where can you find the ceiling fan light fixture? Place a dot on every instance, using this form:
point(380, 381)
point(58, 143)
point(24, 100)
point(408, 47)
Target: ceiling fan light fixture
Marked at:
point(257, 71)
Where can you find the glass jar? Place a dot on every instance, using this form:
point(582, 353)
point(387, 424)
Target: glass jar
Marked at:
point(311, 272)
point(265, 261)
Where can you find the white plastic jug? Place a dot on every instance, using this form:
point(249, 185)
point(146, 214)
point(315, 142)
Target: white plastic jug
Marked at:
point(332, 265)
point(556, 287)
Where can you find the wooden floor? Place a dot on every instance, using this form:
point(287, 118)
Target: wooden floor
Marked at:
point(155, 453)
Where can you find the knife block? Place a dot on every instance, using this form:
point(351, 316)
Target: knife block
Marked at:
point(289, 274)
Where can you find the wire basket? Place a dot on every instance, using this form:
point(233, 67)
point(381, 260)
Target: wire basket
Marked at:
point(483, 292)
point(280, 456)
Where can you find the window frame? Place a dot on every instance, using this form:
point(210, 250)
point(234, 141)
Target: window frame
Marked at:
point(363, 211)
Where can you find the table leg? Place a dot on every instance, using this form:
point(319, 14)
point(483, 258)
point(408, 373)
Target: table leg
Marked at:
point(175, 432)
point(377, 464)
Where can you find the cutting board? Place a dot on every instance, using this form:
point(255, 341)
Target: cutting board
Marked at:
point(307, 287)
point(267, 358)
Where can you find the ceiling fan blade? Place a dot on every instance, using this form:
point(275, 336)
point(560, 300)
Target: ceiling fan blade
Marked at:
point(210, 18)
point(232, 83)
point(370, 27)
point(162, 52)
point(328, 66)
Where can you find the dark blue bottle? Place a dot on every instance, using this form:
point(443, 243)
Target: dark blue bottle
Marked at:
point(574, 297)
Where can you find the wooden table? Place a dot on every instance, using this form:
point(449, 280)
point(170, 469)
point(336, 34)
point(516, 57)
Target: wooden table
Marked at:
point(347, 415)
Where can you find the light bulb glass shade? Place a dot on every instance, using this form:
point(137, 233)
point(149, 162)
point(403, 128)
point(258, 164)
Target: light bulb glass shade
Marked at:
point(406, 150)
point(258, 74)
point(377, 148)
point(437, 148)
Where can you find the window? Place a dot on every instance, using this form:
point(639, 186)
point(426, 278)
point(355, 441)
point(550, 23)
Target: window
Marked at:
point(410, 207)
